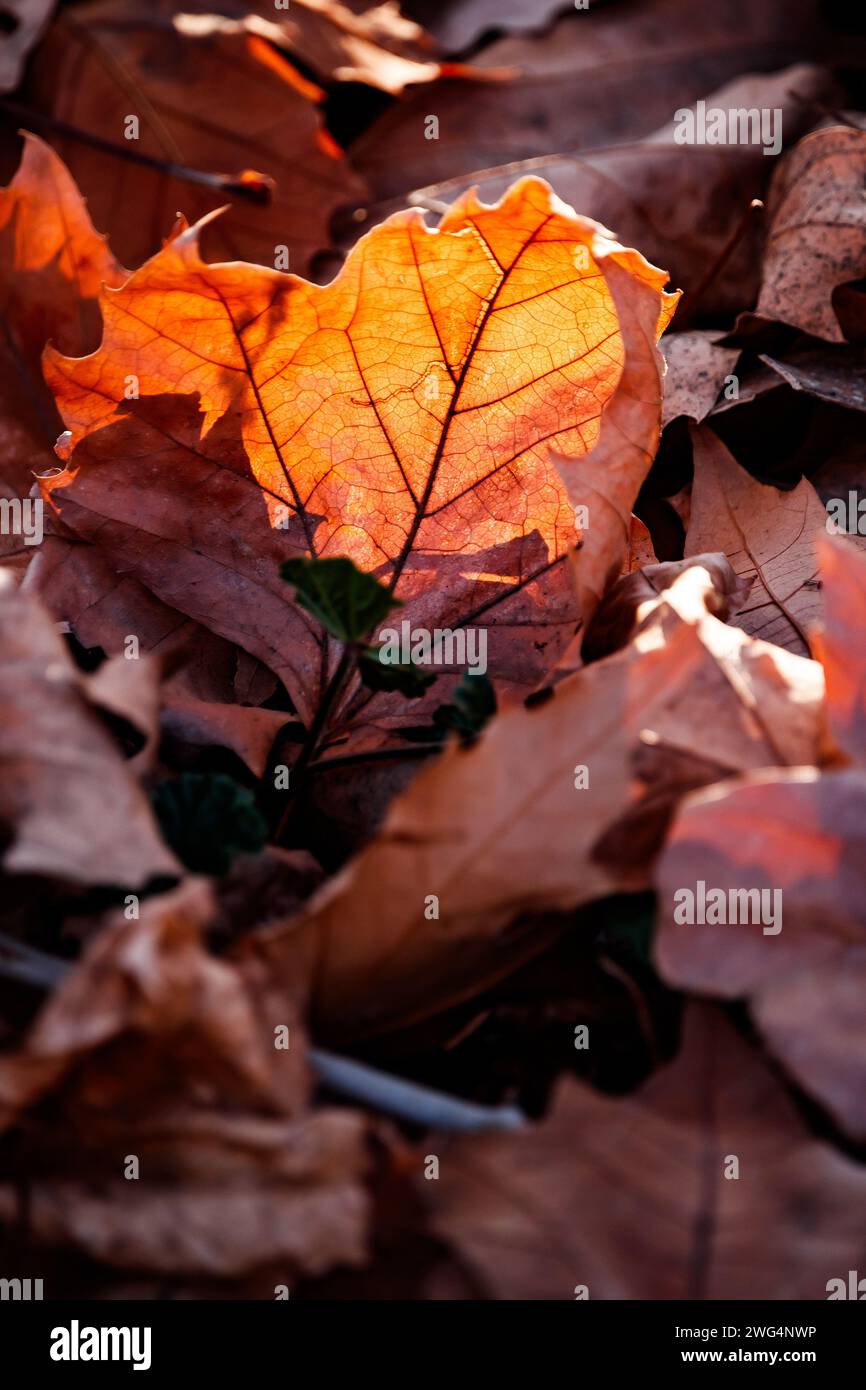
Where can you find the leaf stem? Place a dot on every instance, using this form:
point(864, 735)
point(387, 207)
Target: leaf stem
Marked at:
point(314, 734)
point(378, 755)
point(257, 189)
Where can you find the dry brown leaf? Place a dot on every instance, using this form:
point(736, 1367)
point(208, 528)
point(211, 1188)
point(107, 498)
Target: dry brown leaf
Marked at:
point(504, 828)
point(567, 95)
point(630, 1197)
point(798, 833)
point(210, 95)
point(71, 808)
point(151, 1047)
point(816, 237)
point(374, 43)
point(769, 537)
point(209, 691)
point(628, 602)
point(402, 416)
point(695, 372)
point(833, 374)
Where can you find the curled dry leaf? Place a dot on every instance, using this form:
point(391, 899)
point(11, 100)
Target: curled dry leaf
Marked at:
point(631, 1198)
point(52, 264)
point(70, 806)
point(769, 537)
point(209, 690)
point(816, 238)
point(152, 1047)
point(402, 415)
point(374, 44)
point(798, 835)
point(266, 115)
point(634, 595)
point(431, 909)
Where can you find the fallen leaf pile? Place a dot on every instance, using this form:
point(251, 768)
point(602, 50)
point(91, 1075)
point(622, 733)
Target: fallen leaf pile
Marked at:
point(432, 691)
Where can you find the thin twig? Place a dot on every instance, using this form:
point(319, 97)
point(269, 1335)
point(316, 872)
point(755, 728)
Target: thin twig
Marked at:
point(314, 734)
point(392, 1094)
point(693, 296)
point(419, 1105)
point(254, 187)
point(18, 961)
point(377, 755)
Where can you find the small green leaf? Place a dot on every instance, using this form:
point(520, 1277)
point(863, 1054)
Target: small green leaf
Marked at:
point(347, 602)
point(377, 674)
point(209, 819)
point(474, 703)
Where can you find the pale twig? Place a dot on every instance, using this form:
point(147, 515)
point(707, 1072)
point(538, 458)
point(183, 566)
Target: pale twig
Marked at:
point(408, 1100)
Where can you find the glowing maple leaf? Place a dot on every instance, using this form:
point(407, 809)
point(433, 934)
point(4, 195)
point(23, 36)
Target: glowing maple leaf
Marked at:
point(402, 416)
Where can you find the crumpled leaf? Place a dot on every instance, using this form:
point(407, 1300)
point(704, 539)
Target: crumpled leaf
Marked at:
point(151, 1047)
point(209, 690)
point(70, 806)
point(799, 832)
point(650, 1211)
point(628, 602)
point(815, 239)
point(210, 94)
point(769, 537)
point(487, 834)
point(378, 46)
point(384, 417)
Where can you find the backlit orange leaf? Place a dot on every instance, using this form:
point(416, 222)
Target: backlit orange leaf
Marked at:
point(403, 416)
point(52, 264)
